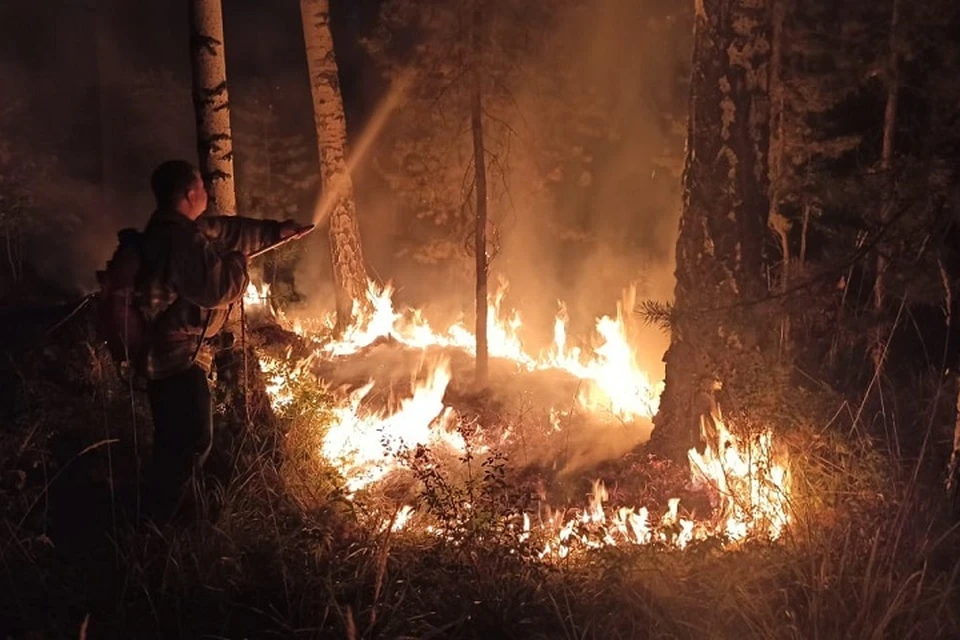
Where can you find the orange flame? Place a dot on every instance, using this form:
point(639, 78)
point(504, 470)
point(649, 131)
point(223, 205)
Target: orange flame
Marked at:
point(257, 297)
point(749, 485)
point(362, 444)
point(615, 382)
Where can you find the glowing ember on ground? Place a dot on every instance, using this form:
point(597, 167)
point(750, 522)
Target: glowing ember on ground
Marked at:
point(748, 486)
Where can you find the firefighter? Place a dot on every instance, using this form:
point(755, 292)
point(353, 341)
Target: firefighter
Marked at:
point(192, 269)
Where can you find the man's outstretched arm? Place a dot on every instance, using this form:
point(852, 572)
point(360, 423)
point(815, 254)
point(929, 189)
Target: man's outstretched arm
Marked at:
point(246, 235)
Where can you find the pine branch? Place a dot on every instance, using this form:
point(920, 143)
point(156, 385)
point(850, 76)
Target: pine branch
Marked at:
point(656, 313)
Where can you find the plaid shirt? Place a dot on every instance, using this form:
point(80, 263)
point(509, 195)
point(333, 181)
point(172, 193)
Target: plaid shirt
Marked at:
point(191, 273)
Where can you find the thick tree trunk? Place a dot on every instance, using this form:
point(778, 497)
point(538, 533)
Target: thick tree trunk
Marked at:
point(349, 273)
point(886, 168)
point(212, 103)
point(480, 178)
point(720, 254)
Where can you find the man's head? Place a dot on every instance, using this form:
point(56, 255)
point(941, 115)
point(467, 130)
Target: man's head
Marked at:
point(177, 185)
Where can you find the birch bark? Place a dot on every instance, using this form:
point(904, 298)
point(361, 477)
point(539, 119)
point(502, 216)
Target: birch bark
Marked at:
point(212, 104)
point(349, 272)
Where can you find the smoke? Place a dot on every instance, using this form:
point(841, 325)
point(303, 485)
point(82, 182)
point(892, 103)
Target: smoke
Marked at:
point(613, 216)
point(614, 154)
point(585, 155)
point(97, 96)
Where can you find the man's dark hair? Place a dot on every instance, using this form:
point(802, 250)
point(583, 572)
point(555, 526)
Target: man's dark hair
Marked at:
point(171, 181)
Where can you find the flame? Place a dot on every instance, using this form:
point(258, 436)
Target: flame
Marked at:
point(752, 487)
point(257, 297)
point(749, 485)
point(615, 382)
point(362, 444)
point(402, 517)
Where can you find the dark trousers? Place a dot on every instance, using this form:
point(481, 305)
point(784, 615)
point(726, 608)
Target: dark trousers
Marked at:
point(183, 434)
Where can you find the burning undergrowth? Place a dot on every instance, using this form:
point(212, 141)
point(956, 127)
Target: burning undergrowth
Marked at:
point(546, 457)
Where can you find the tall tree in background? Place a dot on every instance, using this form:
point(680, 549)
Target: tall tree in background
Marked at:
point(821, 63)
point(275, 164)
point(480, 190)
point(451, 150)
point(346, 251)
point(720, 250)
point(212, 103)
point(891, 77)
point(14, 194)
point(804, 93)
point(584, 147)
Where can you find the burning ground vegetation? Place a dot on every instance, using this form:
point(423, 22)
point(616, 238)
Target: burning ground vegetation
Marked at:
point(387, 498)
point(424, 453)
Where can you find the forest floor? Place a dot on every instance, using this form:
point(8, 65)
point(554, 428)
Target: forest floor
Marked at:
point(281, 552)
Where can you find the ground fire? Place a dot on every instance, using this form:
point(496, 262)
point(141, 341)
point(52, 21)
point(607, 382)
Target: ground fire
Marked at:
point(747, 479)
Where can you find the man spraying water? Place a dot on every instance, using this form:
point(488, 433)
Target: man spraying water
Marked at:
point(192, 269)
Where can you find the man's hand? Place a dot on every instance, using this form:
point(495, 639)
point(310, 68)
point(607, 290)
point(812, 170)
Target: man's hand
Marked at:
point(290, 228)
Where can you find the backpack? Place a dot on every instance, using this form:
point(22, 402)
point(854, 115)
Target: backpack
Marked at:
point(121, 322)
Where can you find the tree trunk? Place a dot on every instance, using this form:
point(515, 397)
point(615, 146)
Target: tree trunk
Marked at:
point(780, 224)
point(886, 168)
point(803, 234)
point(212, 104)
point(480, 173)
point(346, 252)
point(953, 468)
point(720, 254)
point(951, 378)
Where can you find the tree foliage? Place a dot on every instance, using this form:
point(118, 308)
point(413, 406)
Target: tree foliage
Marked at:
point(584, 144)
point(428, 157)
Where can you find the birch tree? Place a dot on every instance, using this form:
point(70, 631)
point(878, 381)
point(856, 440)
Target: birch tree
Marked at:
point(349, 272)
point(720, 249)
point(212, 104)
